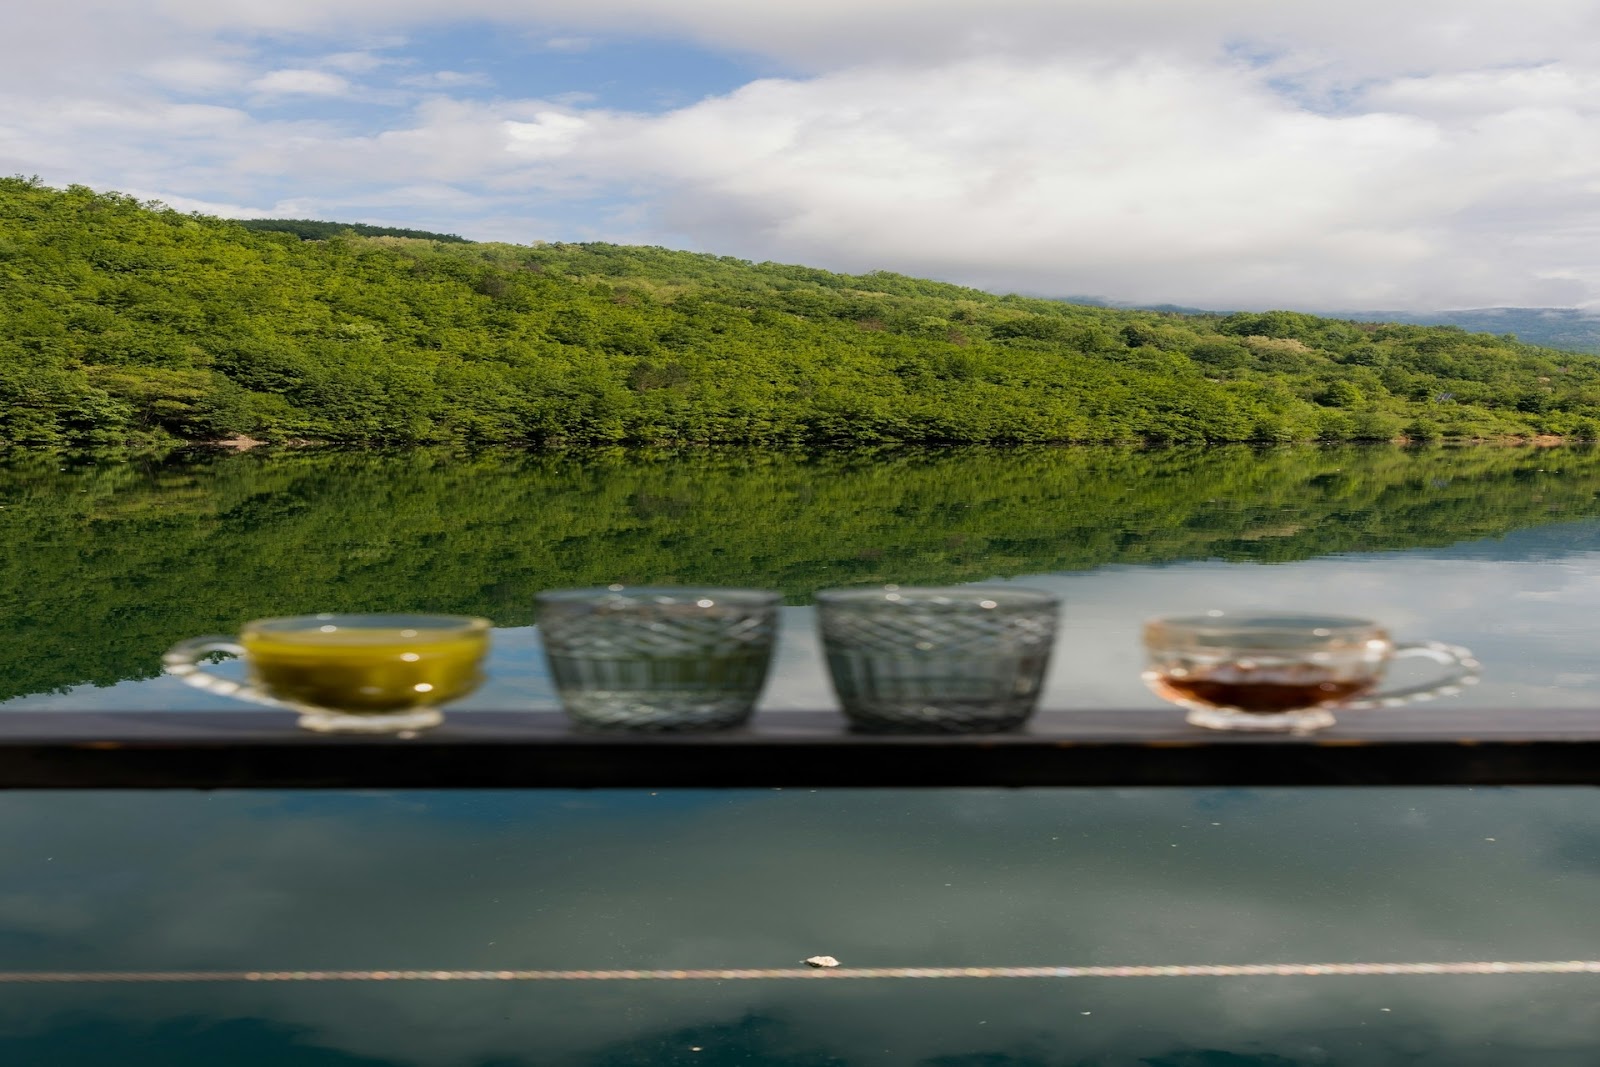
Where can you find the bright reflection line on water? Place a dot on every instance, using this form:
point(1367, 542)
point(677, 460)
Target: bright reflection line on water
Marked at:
point(1204, 970)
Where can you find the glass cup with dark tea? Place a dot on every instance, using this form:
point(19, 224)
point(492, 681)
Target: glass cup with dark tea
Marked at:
point(1286, 672)
point(347, 673)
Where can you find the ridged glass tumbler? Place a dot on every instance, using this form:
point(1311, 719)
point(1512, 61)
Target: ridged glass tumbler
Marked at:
point(658, 658)
point(965, 659)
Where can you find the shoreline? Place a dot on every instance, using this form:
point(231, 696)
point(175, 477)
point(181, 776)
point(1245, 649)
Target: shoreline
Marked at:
point(241, 443)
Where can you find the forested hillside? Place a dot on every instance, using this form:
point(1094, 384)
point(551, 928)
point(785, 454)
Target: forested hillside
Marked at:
point(124, 322)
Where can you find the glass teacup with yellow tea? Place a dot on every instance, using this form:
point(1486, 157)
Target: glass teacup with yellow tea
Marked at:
point(380, 673)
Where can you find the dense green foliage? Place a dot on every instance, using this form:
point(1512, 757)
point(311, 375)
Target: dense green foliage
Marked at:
point(104, 565)
point(123, 322)
point(313, 230)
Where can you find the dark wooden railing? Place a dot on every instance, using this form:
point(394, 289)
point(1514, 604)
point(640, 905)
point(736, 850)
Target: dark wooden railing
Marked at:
point(1427, 745)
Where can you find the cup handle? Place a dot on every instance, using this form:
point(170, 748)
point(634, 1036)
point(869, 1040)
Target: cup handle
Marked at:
point(1461, 671)
point(182, 660)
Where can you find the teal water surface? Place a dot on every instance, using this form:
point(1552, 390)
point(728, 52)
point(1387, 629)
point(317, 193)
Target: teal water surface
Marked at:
point(102, 565)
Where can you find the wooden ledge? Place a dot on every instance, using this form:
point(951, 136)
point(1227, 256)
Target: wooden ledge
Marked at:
point(251, 749)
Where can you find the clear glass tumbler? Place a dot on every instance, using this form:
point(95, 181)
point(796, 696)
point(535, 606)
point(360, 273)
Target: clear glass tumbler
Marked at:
point(965, 659)
point(658, 658)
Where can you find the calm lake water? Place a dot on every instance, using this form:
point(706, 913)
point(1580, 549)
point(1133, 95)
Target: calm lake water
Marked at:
point(103, 565)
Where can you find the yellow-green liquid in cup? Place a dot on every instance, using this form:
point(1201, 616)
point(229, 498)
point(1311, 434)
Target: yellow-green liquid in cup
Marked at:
point(359, 669)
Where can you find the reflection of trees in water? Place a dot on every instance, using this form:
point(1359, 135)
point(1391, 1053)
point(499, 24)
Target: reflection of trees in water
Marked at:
point(772, 1042)
point(182, 1042)
point(103, 566)
point(1217, 1058)
point(1182, 1058)
point(749, 1041)
point(752, 1039)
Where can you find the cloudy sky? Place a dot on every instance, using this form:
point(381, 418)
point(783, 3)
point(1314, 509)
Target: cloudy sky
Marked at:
point(1222, 153)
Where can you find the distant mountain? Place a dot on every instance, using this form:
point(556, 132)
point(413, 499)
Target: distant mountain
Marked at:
point(1570, 329)
point(1118, 305)
point(315, 230)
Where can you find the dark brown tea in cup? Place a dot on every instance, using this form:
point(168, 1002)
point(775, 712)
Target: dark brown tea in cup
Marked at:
point(1261, 696)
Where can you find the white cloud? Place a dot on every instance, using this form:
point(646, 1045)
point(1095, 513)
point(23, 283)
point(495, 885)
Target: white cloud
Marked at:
point(354, 62)
point(551, 133)
point(1149, 181)
point(1362, 35)
point(447, 79)
point(309, 82)
point(198, 74)
point(1225, 152)
point(568, 44)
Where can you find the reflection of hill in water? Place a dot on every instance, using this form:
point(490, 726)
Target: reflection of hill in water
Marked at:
point(103, 566)
point(183, 1042)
